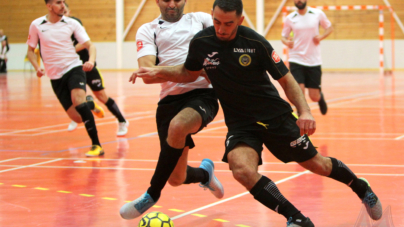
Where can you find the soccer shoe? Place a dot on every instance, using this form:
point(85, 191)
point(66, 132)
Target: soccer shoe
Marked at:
point(299, 223)
point(372, 203)
point(322, 104)
point(98, 111)
point(122, 128)
point(95, 151)
point(72, 126)
point(213, 184)
point(137, 207)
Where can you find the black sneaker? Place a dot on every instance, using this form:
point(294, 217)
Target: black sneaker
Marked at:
point(299, 223)
point(323, 105)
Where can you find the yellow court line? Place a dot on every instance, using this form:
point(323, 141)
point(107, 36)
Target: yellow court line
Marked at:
point(156, 206)
point(199, 215)
point(106, 198)
point(43, 189)
point(242, 225)
point(220, 220)
point(86, 195)
point(19, 186)
point(176, 210)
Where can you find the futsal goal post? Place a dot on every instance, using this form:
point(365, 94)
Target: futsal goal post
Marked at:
point(380, 8)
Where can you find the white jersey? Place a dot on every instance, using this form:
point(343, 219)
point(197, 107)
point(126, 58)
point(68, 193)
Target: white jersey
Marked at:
point(305, 28)
point(169, 42)
point(56, 45)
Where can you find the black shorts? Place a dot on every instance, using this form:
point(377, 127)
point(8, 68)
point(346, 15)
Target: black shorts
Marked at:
point(280, 135)
point(204, 101)
point(75, 78)
point(310, 76)
point(95, 80)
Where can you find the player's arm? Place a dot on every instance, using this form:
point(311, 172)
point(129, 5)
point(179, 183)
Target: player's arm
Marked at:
point(33, 59)
point(178, 74)
point(89, 65)
point(147, 61)
point(286, 40)
point(306, 121)
point(79, 47)
point(325, 34)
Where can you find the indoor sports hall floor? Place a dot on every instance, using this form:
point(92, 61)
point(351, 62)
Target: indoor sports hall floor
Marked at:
point(45, 179)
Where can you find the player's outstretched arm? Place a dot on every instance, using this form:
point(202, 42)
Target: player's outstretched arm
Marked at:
point(33, 59)
point(306, 121)
point(178, 74)
point(147, 61)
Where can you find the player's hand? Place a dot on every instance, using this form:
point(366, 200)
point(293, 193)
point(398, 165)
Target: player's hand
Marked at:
point(88, 66)
point(40, 72)
point(144, 72)
point(317, 39)
point(290, 44)
point(306, 123)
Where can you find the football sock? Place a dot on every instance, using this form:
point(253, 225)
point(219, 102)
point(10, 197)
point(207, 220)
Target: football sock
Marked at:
point(88, 120)
point(342, 173)
point(91, 105)
point(166, 163)
point(111, 105)
point(196, 175)
point(266, 192)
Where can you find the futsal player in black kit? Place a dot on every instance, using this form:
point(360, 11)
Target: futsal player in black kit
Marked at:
point(236, 60)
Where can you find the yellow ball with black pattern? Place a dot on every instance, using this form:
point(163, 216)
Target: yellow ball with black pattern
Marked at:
point(156, 219)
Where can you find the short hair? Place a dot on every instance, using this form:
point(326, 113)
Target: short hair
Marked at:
point(229, 6)
point(47, 1)
point(66, 5)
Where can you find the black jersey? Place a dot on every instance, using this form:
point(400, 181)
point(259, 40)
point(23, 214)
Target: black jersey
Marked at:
point(237, 70)
point(84, 55)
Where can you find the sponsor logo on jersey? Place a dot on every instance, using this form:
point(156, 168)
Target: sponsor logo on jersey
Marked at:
point(139, 45)
point(275, 57)
point(213, 54)
point(299, 141)
point(243, 50)
point(245, 60)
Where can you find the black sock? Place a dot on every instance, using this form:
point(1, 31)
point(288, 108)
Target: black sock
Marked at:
point(114, 110)
point(168, 159)
point(196, 175)
point(91, 105)
point(342, 173)
point(88, 120)
point(267, 193)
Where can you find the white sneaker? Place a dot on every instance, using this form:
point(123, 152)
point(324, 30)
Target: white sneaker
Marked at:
point(122, 128)
point(72, 126)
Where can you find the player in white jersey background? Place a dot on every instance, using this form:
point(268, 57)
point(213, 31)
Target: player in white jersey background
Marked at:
point(63, 66)
point(304, 48)
point(183, 109)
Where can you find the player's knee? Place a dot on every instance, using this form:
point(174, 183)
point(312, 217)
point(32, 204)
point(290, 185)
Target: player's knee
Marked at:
point(315, 97)
point(321, 166)
point(175, 181)
point(177, 128)
point(243, 175)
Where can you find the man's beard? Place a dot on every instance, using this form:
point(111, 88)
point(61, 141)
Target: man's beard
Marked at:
point(302, 6)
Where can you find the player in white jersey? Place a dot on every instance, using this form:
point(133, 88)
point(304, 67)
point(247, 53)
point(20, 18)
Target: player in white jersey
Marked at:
point(63, 66)
point(304, 48)
point(183, 109)
point(4, 48)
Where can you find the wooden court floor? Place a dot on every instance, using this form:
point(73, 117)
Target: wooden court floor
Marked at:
point(46, 180)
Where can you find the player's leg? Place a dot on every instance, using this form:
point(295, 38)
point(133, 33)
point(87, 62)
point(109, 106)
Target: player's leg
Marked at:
point(243, 161)
point(313, 83)
point(298, 73)
point(95, 81)
point(77, 87)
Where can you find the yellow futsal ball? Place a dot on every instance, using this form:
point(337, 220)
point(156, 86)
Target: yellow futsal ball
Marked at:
point(156, 219)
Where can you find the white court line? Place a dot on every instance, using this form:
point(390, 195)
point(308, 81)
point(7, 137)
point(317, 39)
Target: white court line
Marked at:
point(60, 125)
point(311, 137)
point(234, 197)
point(33, 165)
point(8, 160)
point(399, 138)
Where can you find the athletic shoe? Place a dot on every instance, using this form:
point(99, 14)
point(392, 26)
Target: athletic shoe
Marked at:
point(137, 207)
point(299, 223)
point(322, 104)
point(98, 111)
point(72, 126)
point(95, 151)
point(372, 203)
point(122, 128)
point(213, 184)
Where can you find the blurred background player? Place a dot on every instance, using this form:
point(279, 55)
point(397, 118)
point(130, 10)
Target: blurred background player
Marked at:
point(4, 48)
point(183, 109)
point(64, 67)
point(305, 53)
point(96, 83)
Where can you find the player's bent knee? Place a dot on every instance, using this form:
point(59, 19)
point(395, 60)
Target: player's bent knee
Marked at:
point(175, 181)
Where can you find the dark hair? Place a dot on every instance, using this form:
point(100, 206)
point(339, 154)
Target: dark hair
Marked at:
point(229, 6)
point(66, 5)
point(47, 1)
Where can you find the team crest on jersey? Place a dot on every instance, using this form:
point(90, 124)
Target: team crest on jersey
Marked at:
point(139, 45)
point(245, 60)
point(275, 57)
